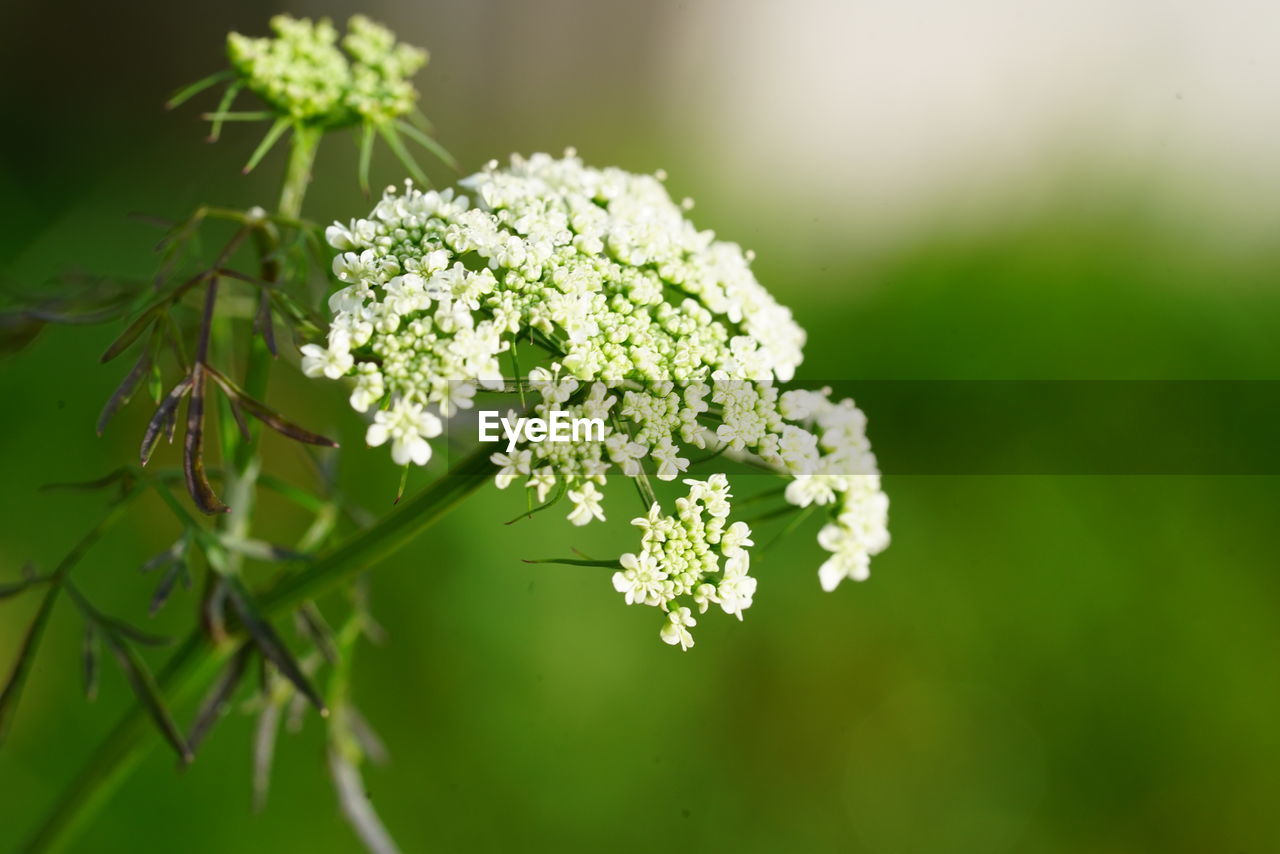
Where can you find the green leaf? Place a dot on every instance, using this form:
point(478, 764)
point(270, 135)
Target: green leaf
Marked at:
point(337, 567)
point(131, 333)
point(166, 558)
point(223, 106)
point(571, 561)
point(404, 479)
point(148, 693)
point(258, 116)
point(308, 324)
point(125, 390)
point(123, 474)
point(271, 138)
point(177, 570)
point(402, 154)
point(22, 666)
point(429, 144)
point(562, 485)
point(131, 632)
point(155, 384)
point(420, 119)
point(264, 414)
point(187, 92)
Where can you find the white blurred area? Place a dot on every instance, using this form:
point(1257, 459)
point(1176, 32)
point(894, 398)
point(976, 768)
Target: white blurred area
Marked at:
point(979, 106)
point(882, 115)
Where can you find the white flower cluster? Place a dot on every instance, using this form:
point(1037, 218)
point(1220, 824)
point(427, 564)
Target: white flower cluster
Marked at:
point(680, 558)
point(600, 263)
point(842, 474)
point(302, 73)
point(652, 327)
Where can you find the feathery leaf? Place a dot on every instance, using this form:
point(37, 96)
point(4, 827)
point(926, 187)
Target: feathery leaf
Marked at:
point(131, 333)
point(125, 390)
point(214, 704)
point(148, 693)
point(165, 417)
point(193, 450)
point(269, 643)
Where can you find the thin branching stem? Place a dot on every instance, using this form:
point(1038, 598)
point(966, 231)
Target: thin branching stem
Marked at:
point(55, 580)
point(198, 659)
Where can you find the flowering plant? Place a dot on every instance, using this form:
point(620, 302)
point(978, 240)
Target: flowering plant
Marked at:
point(584, 292)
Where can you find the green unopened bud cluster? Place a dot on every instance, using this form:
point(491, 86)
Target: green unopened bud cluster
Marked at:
point(304, 74)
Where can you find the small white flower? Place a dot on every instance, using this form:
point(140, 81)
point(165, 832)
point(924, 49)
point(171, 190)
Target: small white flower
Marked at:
point(318, 361)
point(735, 593)
point(676, 629)
point(639, 580)
point(670, 464)
point(809, 489)
point(542, 482)
point(851, 563)
point(736, 539)
point(586, 504)
point(511, 466)
point(369, 388)
point(703, 595)
point(408, 426)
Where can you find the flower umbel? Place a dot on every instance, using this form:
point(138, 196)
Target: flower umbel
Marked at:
point(642, 321)
point(690, 556)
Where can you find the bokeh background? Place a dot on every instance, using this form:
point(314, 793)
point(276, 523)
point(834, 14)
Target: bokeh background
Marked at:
point(985, 189)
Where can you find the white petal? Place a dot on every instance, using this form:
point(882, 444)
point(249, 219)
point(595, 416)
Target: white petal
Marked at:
point(376, 435)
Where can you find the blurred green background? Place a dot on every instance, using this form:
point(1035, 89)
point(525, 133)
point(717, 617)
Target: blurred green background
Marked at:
point(1038, 664)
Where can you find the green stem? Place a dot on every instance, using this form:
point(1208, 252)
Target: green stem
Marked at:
point(198, 659)
point(302, 155)
point(242, 475)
